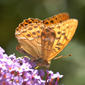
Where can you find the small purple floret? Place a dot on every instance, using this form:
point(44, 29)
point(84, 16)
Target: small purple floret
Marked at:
point(21, 71)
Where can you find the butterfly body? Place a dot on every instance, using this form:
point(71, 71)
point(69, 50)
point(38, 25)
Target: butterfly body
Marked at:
point(44, 39)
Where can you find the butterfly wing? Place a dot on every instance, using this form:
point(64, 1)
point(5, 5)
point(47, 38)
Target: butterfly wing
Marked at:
point(56, 19)
point(28, 34)
point(64, 32)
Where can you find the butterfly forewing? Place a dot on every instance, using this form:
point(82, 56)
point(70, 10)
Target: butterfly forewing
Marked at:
point(56, 19)
point(64, 33)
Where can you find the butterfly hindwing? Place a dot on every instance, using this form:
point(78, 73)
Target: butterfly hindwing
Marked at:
point(29, 38)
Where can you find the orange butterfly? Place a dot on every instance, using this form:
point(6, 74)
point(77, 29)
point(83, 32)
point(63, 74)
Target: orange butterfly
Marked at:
point(44, 39)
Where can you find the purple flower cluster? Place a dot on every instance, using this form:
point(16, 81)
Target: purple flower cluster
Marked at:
point(20, 71)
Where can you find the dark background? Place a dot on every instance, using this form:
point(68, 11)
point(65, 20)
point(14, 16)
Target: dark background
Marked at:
point(12, 12)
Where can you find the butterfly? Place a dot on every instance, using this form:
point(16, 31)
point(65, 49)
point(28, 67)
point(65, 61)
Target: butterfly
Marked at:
point(42, 40)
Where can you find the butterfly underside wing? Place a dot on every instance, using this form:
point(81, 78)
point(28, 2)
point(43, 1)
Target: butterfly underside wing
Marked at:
point(44, 39)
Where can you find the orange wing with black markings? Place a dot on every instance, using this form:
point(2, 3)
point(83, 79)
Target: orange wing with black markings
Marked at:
point(28, 34)
point(56, 19)
point(64, 32)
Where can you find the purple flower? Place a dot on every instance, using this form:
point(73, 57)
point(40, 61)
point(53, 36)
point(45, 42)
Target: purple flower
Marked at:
point(21, 71)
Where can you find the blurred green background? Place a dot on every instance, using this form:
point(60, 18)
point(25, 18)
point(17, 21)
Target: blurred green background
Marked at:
point(12, 12)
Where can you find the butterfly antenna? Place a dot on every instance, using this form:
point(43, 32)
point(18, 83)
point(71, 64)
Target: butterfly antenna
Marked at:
point(62, 56)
